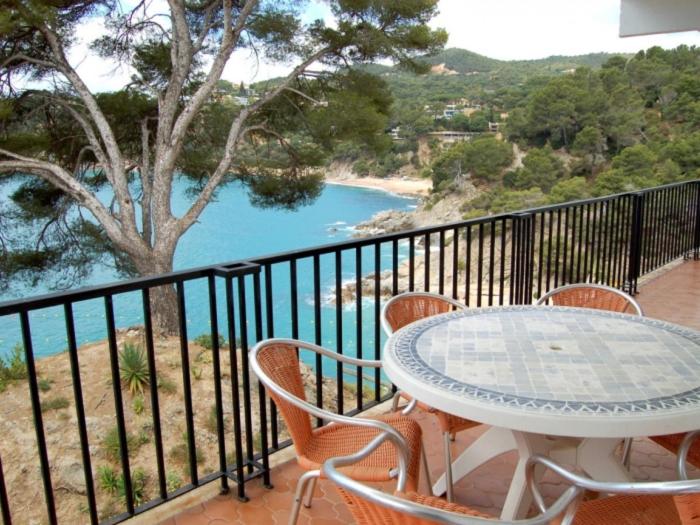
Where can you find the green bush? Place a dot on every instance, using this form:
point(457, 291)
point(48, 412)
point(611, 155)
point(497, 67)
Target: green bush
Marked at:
point(173, 481)
point(166, 385)
point(180, 453)
point(44, 384)
point(210, 423)
point(138, 486)
point(139, 405)
point(13, 367)
point(54, 404)
point(133, 368)
point(205, 341)
point(108, 479)
point(113, 484)
point(110, 443)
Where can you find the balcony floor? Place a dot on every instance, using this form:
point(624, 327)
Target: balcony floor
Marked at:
point(673, 296)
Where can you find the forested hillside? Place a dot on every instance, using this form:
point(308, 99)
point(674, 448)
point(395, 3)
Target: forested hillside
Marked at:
point(634, 123)
point(567, 131)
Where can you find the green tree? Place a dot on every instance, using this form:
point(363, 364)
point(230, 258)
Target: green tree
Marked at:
point(486, 157)
point(541, 169)
point(632, 169)
point(685, 153)
point(572, 189)
point(478, 121)
point(64, 143)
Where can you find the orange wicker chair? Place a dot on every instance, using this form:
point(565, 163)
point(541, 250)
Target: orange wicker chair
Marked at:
point(636, 503)
point(276, 364)
point(369, 506)
point(597, 297)
point(594, 296)
point(648, 503)
point(402, 310)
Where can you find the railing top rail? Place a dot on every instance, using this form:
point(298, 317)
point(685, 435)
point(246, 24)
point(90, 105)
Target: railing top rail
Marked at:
point(241, 267)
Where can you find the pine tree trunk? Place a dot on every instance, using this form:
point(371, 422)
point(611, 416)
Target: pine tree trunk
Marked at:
point(164, 311)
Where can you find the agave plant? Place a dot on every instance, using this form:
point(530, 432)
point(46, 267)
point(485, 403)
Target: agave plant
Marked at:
point(133, 368)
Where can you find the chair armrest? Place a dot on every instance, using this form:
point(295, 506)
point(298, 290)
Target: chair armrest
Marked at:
point(564, 505)
point(614, 487)
point(365, 363)
point(305, 405)
point(682, 458)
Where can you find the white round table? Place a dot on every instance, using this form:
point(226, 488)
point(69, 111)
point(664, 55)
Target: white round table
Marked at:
point(535, 371)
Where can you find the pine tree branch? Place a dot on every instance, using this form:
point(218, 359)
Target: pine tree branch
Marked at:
point(63, 180)
point(236, 132)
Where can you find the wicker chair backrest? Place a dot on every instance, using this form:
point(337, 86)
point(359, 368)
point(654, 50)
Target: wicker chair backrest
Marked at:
point(281, 363)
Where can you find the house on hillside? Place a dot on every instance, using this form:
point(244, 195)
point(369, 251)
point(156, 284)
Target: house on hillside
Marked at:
point(450, 137)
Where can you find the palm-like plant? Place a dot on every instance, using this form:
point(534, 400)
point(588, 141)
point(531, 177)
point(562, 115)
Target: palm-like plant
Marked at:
point(133, 368)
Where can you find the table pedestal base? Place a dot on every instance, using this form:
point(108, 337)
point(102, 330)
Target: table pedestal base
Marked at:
point(596, 457)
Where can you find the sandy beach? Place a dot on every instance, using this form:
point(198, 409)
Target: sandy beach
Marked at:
point(398, 185)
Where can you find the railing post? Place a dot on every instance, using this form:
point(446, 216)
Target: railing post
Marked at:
point(635, 246)
point(229, 273)
point(696, 238)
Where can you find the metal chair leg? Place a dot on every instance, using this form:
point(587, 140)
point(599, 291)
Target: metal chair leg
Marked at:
point(310, 492)
point(448, 467)
point(395, 401)
point(627, 452)
point(299, 494)
point(424, 459)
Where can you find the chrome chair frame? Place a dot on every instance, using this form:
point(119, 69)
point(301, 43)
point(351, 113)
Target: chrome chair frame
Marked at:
point(388, 330)
point(565, 505)
point(682, 486)
point(635, 305)
point(627, 446)
point(313, 475)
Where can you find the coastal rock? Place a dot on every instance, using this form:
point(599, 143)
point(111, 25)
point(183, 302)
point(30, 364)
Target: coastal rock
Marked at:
point(69, 475)
point(389, 221)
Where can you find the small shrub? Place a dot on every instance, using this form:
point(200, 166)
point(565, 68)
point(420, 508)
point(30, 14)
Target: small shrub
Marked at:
point(13, 367)
point(166, 385)
point(133, 368)
point(180, 453)
point(139, 405)
point(113, 484)
point(173, 481)
point(108, 479)
point(210, 422)
point(205, 341)
point(44, 384)
point(110, 443)
point(54, 404)
point(197, 372)
point(138, 486)
point(203, 357)
point(143, 437)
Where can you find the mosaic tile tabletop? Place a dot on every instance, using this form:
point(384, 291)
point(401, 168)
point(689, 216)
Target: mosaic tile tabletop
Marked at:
point(557, 360)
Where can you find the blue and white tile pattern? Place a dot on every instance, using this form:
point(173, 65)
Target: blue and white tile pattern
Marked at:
point(555, 359)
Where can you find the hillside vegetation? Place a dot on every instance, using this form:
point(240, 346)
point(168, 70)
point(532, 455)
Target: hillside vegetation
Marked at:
point(572, 127)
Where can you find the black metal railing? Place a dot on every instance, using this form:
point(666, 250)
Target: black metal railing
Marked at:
point(331, 295)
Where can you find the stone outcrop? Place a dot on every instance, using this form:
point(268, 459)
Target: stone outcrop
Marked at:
point(389, 221)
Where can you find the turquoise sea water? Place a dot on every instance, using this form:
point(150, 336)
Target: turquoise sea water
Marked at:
point(231, 229)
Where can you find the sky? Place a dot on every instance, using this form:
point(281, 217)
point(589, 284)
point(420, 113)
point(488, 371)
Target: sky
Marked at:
point(503, 29)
